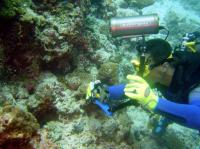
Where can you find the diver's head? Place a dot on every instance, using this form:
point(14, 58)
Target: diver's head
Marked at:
point(158, 60)
point(158, 50)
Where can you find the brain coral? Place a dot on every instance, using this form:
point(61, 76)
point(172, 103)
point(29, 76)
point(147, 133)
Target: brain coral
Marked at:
point(108, 73)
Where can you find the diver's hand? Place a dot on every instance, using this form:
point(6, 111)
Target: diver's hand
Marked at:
point(138, 89)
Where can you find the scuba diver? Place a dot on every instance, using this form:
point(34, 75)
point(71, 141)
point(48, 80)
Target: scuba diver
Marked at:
point(176, 75)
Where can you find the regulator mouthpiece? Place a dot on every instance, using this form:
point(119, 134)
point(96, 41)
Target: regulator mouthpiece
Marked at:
point(135, 25)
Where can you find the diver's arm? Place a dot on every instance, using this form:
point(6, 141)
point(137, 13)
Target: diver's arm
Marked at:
point(184, 114)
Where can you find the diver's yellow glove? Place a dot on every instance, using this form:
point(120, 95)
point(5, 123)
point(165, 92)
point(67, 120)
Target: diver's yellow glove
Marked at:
point(138, 89)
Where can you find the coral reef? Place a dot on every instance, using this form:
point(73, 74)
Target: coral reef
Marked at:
point(16, 127)
point(90, 132)
point(63, 39)
point(42, 141)
point(13, 93)
point(108, 73)
point(52, 99)
point(104, 8)
point(140, 3)
point(175, 137)
point(13, 7)
point(51, 49)
point(77, 78)
point(55, 37)
point(20, 49)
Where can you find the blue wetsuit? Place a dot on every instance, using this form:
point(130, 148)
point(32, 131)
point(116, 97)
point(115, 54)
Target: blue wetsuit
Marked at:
point(184, 114)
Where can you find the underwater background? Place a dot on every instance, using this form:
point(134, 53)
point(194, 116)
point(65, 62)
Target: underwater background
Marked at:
point(51, 49)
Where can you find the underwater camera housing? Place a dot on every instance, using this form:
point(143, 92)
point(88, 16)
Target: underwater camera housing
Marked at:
point(136, 26)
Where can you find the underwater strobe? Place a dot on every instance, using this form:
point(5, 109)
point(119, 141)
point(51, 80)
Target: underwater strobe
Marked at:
point(136, 26)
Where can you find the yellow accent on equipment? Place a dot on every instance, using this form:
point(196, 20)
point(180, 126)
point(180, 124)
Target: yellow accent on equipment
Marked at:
point(190, 45)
